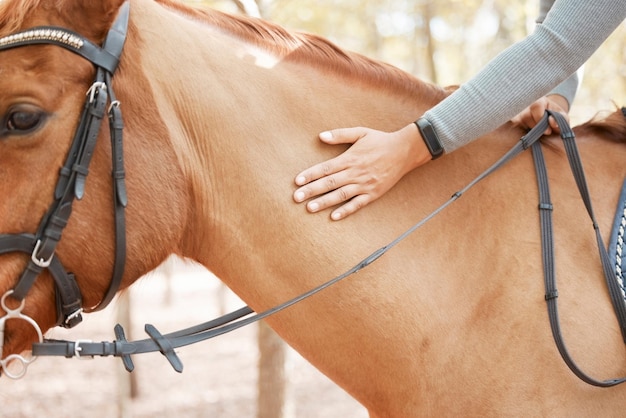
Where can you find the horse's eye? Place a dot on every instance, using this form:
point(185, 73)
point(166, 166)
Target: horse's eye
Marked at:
point(21, 121)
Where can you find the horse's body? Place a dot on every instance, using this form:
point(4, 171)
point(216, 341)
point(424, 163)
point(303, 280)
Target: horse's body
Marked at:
point(450, 322)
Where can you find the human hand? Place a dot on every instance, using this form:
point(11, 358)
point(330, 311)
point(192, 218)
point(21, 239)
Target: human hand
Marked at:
point(530, 116)
point(370, 167)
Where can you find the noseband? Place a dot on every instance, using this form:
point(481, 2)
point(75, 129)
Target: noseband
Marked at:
point(70, 186)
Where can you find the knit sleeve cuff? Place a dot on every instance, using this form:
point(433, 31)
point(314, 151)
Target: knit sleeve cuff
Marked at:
point(567, 89)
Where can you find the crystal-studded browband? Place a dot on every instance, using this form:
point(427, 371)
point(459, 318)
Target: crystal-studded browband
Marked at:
point(64, 38)
point(47, 34)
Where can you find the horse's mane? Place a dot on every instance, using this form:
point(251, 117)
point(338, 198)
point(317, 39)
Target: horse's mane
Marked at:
point(612, 127)
point(313, 50)
point(290, 46)
point(310, 49)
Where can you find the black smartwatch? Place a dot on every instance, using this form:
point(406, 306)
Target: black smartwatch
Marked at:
point(430, 137)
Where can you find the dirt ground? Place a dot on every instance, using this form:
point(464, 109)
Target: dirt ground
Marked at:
point(219, 377)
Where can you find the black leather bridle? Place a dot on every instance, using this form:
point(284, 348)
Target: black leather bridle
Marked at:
point(70, 186)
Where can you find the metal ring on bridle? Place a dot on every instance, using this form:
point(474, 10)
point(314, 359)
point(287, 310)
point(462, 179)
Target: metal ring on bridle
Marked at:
point(13, 358)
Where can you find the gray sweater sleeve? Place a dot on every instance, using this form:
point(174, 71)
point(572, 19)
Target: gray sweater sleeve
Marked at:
point(526, 71)
point(569, 86)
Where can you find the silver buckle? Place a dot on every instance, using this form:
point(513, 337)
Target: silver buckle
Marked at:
point(40, 261)
point(76, 313)
point(78, 349)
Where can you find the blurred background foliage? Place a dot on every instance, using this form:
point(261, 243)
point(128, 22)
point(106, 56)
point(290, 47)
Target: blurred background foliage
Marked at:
point(445, 42)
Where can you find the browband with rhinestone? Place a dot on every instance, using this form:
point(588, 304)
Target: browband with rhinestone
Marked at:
point(65, 38)
point(49, 34)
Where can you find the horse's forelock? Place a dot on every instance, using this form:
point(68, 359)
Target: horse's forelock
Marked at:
point(13, 13)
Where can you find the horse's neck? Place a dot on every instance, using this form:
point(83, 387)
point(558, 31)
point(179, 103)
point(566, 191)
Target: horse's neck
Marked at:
point(243, 127)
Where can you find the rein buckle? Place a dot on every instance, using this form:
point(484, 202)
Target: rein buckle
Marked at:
point(78, 350)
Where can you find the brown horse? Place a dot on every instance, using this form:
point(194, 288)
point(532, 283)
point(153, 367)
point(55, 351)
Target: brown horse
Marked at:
point(221, 112)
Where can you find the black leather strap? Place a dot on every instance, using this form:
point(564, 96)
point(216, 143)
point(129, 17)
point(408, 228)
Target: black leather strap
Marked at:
point(165, 347)
point(617, 298)
point(122, 348)
point(120, 200)
point(68, 296)
point(120, 339)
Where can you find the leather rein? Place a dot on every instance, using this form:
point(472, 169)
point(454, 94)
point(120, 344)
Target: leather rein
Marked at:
point(547, 245)
point(244, 316)
point(70, 186)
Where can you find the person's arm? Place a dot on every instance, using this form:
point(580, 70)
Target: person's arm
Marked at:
point(559, 99)
point(568, 88)
point(528, 70)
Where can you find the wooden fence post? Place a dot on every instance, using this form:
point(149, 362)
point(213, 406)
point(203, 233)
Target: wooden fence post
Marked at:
point(127, 382)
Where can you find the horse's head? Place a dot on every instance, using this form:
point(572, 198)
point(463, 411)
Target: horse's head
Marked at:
point(44, 88)
point(42, 91)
